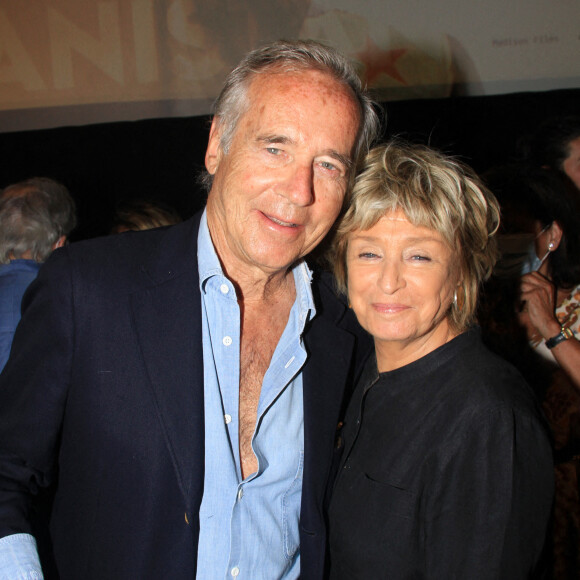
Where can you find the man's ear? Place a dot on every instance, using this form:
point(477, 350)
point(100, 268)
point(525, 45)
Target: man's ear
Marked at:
point(213, 153)
point(59, 243)
point(555, 236)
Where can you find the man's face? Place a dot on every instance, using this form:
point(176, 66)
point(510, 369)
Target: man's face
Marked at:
point(279, 188)
point(571, 165)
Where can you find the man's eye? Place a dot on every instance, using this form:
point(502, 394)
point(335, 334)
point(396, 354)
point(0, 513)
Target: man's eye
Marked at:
point(273, 150)
point(328, 165)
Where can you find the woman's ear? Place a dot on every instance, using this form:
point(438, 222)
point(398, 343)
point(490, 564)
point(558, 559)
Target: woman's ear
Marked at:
point(555, 234)
point(213, 152)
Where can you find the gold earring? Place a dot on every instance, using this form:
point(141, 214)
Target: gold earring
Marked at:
point(459, 299)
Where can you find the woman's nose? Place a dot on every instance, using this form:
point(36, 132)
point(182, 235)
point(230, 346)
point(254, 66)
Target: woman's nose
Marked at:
point(391, 278)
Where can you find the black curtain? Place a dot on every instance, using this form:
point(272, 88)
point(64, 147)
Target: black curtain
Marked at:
point(161, 159)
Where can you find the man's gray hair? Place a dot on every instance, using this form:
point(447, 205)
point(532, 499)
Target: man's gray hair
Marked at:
point(34, 214)
point(291, 57)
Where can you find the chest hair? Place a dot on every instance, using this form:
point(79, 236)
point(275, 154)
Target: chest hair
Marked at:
point(260, 335)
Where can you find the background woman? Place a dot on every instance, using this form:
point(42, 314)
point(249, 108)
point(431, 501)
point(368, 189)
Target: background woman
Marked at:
point(446, 469)
point(537, 329)
point(550, 295)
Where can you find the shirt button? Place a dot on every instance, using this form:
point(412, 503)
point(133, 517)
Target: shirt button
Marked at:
point(240, 494)
point(235, 571)
point(228, 418)
point(224, 289)
point(227, 340)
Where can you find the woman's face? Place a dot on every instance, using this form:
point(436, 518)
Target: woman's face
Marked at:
point(401, 281)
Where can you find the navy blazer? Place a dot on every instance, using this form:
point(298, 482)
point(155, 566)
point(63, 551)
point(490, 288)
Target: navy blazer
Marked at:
point(103, 398)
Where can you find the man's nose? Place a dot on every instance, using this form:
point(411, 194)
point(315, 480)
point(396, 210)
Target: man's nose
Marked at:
point(299, 185)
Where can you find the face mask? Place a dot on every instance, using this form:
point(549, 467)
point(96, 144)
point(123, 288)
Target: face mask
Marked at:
point(535, 262)
point(518, 255)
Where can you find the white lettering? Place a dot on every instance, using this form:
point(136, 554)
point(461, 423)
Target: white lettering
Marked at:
point(145, 41)
point(203, 60)
point(183, 27)
point(104, 52)
point(20, 68)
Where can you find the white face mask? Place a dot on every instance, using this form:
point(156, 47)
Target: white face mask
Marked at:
point(536, 263)
point(518, 255)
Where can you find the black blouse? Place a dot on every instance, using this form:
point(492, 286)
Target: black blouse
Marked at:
point(446, 472)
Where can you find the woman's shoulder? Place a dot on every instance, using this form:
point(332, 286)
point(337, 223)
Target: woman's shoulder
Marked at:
point(568, 312)
point(481, 379)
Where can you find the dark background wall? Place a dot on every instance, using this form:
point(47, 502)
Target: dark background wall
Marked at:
point(160, 159)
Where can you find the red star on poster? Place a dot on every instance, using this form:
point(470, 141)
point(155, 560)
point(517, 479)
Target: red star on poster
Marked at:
point(378, 61)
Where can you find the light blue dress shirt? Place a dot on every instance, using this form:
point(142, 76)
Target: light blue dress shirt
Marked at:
point(19, 558)
point(249, 529)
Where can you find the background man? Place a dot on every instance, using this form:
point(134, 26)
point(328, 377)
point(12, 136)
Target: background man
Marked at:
point(190, 379)
point(36, 216)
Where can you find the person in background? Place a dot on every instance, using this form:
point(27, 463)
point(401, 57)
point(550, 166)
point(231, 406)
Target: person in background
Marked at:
point(550, 314)
point(188, 381)
point(446, 469)
point(36, 217)
point(140, 214)
point(531, 314)
point(555, 145)
point(550, 291)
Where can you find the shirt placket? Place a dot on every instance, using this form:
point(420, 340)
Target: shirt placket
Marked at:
point(226, 337)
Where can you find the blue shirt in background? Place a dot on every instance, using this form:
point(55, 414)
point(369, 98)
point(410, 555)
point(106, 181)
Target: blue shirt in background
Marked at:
point(249, 529)
point(15, 277)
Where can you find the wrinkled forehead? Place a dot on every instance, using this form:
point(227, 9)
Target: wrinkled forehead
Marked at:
point(309, 84)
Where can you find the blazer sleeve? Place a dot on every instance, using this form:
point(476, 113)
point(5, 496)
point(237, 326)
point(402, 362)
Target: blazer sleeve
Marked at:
point(33, 392)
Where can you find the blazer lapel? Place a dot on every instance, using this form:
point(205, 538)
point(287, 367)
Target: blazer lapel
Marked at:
point(331, 350)
point(167, 321)
point(334, 358)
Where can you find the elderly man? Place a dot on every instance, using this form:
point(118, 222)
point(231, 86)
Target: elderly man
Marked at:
point(36, 217)
point(187, 382)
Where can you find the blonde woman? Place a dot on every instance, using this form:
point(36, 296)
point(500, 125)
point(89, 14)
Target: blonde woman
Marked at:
point(446, 469)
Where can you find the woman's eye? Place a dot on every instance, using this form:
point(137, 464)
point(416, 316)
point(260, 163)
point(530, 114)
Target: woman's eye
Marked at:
point(328, 165)
point(420, 258)
point(367, 255)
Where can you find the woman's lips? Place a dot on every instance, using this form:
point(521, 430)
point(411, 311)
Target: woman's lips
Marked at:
point(389, 308)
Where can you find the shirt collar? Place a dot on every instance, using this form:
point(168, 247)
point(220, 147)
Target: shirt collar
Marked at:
point(209, 265)
point(23, 264)
point(208, 262)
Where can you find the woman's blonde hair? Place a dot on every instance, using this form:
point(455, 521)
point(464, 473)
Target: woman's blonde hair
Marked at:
point(433, 191)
